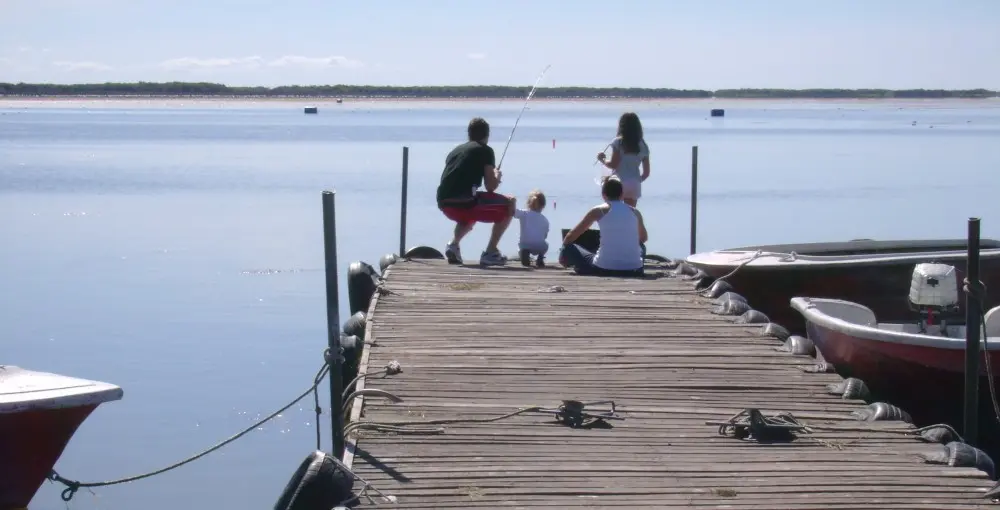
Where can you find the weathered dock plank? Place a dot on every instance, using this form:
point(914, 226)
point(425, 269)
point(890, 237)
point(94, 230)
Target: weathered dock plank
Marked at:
point(476, 344)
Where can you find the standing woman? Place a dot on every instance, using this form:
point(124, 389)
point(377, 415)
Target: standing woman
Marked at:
point(628, 152)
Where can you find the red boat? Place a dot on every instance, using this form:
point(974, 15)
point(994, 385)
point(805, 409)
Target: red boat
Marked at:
point(39, 413)
point(873, 273)
point(918, 366)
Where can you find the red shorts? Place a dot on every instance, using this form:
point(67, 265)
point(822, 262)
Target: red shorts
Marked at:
point(484, 207)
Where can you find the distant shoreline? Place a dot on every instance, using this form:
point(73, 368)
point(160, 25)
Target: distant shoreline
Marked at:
point(332, 101)
point(181, 90)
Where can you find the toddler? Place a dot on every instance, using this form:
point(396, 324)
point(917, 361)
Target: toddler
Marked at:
point(534, 230)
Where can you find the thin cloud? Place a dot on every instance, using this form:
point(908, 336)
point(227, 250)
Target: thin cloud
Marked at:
point(301, 61)
point(256, 61)
point(210, 63)
point(476, 56)
point(82, 66)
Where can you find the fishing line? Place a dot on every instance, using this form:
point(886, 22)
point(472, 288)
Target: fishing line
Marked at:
point(599, 180)
point(532, 93)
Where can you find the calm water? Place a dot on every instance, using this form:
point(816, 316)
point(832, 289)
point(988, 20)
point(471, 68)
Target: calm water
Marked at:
point(134, 236)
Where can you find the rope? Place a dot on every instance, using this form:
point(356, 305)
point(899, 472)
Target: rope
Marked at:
point(746, 418)
point(784, 257)
point(977, 291)
point(391, 368)
point(72, 485)
point(400, 427)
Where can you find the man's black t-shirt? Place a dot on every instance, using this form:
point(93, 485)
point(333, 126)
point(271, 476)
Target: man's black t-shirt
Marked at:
point(463, 170)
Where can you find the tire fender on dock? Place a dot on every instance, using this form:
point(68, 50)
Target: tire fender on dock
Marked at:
point(318, 484)
point(423, 252)
point(362, 281)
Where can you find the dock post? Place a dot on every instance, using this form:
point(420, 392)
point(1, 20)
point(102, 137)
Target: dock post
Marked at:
point(694, 198)
point(335, 358)
point(973, 319)
point(402, 202)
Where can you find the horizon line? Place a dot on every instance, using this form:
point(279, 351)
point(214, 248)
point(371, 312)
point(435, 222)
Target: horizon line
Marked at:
point(490, 86)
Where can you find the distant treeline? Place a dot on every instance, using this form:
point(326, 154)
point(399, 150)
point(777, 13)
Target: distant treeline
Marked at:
point(460, 91)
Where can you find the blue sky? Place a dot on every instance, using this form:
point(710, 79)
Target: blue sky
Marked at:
point(643, 43)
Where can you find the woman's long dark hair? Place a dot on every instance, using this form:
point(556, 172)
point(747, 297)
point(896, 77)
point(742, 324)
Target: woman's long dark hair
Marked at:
point(630, 129)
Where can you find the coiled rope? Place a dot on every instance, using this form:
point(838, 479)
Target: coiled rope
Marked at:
point(72, 486)
point(744, 421)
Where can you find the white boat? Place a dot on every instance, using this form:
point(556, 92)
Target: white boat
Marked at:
point(39, 413)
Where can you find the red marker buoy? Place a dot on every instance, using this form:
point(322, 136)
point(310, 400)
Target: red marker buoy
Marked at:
point(553, 143)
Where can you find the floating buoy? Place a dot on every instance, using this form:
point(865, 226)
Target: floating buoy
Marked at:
point(553, 143)
point(319, 484)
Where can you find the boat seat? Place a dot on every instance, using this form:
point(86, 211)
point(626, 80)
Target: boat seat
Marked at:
point(992, 322)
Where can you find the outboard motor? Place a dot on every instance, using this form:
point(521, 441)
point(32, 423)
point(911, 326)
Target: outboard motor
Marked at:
point(934, 291)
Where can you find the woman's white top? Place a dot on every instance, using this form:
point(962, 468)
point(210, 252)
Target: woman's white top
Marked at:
point(619, 249)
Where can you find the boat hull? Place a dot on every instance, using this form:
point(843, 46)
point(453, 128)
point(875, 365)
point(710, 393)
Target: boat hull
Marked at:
point(32, 442)
point(881, 284)
point(39, 413)
point(927, 382)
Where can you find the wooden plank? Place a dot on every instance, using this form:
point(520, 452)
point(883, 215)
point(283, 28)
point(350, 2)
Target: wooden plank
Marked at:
point(476, 344)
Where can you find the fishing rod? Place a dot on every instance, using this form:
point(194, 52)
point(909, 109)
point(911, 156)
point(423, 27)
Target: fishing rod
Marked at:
point(532, 93)
point(600, 179)
point(606, 147)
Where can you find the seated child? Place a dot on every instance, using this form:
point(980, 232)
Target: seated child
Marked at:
point(534, 230)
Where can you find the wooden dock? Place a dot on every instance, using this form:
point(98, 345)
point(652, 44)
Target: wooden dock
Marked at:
point(479, 343)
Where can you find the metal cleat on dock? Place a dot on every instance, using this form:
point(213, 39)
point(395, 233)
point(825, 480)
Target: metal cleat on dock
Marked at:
point(573, 413)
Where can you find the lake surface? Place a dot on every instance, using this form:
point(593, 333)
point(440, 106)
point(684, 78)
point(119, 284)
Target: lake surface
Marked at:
point(175, 247)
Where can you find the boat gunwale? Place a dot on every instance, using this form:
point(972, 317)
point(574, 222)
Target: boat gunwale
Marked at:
point(82, 392)
point(807, 306)
point(781, 260)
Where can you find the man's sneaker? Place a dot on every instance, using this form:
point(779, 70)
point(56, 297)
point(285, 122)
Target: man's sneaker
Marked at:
point(453, 254)
point(540, 261)
point(525, 258)
point(492, 259)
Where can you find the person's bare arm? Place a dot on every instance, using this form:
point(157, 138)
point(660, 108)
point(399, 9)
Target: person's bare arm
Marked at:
point(491, 178)
point(645, 168)
point(616, 158)
point(643, 235)
point(588, 220)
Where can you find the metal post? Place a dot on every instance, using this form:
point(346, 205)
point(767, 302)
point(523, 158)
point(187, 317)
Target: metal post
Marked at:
point(333, 323)
point(402, 202)
point(973, 316)
point(694, 198)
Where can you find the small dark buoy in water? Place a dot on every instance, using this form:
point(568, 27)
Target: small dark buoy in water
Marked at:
point(311, 109)
point(553, 143)
point(339, 100)
point(718, 112)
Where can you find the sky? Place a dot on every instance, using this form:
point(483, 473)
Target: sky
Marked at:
point(702, 44)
